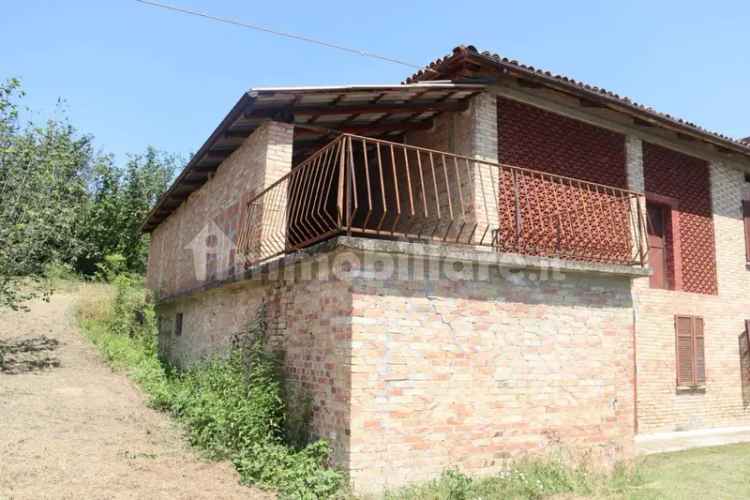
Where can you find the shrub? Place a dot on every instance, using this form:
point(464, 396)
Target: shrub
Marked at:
point(61, 276)
point(132, 312)
point(112, 267)
point(528, 479)
point(232, 408)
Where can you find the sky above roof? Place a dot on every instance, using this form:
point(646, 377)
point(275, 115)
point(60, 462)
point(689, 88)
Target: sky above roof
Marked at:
point(133, 75)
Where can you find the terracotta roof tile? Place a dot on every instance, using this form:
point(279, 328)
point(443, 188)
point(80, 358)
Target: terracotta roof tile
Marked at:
point(438, 67)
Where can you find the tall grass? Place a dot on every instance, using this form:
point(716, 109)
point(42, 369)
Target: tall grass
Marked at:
point(529, 479)
point(233, 408)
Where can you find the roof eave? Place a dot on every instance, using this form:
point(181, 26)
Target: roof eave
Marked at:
point(243, 103)
point(617, 104)
point(463, 56)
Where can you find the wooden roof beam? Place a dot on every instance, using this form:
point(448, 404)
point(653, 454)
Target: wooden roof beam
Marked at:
point(239, 132)
point(588, 103)
point(381, 128)
point(643, 123)
point(409, 107)
point(218, 154)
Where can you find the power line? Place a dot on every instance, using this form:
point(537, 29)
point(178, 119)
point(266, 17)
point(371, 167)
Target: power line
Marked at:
point(278, 33)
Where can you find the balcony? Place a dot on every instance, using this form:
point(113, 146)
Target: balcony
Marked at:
point(379, 189)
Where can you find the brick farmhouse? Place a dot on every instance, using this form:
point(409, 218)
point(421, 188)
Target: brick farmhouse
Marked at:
point(484, 262)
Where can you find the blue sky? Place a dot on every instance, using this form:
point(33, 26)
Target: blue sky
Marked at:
point(134, 75)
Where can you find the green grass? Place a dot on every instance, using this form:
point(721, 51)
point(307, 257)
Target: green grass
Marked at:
point(721, 472)
point(718, 473)
point(532, 479)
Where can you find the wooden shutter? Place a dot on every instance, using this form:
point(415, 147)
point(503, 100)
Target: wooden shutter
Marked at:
point(684, 341)
point(746, 218)
point(699, 352)
point(657, 248)
point(690, 347)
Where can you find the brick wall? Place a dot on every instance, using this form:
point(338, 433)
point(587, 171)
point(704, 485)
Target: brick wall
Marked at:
point(468, 374)
point(409, 377)
point(471, 133)
point(309, 320)
point(212, 214)
point(725, 399)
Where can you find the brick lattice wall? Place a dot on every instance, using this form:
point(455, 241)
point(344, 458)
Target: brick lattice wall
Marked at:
point(531, 137)
point(594, 224)
point(686, 178)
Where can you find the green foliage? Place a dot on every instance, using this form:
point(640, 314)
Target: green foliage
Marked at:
point(297, 474)
point(232, 408)
point(531, 479)
point(119, 201)
point(65, 203)
point(132, 313)
point(112, 266)
point(61, 276)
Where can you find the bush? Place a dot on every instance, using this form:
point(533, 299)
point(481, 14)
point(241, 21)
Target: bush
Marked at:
point(112, 266)
point(59, 272)
point(232, 408)
point(529, 479)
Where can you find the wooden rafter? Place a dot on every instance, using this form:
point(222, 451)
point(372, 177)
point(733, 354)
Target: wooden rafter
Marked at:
point(408, 107)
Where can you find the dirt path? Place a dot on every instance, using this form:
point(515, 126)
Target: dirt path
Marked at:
point(71, 428)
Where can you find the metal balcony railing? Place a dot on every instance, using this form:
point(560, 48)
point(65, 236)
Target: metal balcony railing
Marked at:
point(379, 189)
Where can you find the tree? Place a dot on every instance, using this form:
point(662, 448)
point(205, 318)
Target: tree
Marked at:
point(63, 202)
point(120, 201)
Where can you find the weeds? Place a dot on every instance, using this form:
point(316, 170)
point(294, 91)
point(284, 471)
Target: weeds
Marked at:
point(532, 479)
point(233, 408)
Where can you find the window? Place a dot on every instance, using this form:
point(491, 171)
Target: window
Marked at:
point(691, 359)
point(657, 244)
point(664, 236)
point(178, 325)
point(746, 218)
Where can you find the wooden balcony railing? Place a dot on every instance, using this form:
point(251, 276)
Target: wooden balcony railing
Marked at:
point(379, 189)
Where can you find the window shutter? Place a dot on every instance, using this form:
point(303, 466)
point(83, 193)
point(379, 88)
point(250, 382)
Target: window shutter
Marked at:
point(746, 218)
point(684, 342)
point(700, 356)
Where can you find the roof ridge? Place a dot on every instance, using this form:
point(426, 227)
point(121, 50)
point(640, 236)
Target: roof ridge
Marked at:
point(471, 50)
